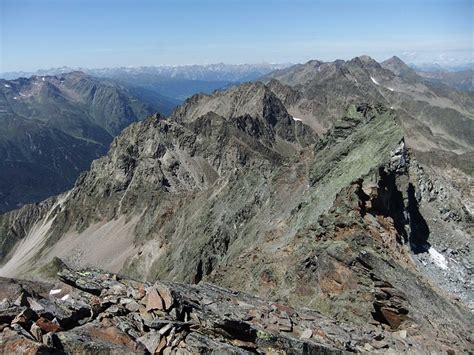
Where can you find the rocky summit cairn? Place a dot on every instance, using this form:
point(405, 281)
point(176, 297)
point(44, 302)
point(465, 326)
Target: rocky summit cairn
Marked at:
point(90, 311)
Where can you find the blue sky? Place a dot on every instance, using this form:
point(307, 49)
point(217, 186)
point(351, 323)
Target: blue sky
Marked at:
point(99, 33)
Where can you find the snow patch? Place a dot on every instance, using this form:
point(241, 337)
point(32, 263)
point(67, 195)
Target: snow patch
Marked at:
point(64, 298)
point(42, 78)
point(438, 258)
point(297, 119)
point(469, 207)
point(7, 86)
point(390, 89)
point(21, 94)
point(15, 98)
point(54, 292)
point(374, 81)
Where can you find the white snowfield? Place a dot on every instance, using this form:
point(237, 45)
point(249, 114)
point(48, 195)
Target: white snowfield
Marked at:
point(374, 81)
point(438, 258)
point(297, 119)
point(377, 83)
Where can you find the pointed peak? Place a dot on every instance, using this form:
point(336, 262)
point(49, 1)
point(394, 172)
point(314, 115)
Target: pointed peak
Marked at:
point(397, 66)
point(395, 61)
point(250, 98)
point(314, 62)
point(365, 59)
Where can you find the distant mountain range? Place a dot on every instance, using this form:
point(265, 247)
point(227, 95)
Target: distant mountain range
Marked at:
point(178, 82)
point(437, 67)
point(459, 77)
point(210, 72)
point(460, 80)
point(52, 127)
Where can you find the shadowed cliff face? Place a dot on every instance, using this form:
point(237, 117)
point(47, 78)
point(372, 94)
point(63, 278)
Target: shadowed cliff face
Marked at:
point(231, 189)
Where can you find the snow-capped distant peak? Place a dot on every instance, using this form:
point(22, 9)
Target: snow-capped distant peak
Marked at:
point(374, 81)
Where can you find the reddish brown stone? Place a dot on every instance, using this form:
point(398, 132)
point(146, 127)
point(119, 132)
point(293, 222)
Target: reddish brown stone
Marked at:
point(47, 326)
point(392, 317)
point(166, 296)
point(112, 335)
point(13, 343)
point(161, 346)
point(154, 301)
point(141, 292)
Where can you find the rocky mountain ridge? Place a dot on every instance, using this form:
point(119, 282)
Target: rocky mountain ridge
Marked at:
point(437, 119)
point(232, 189)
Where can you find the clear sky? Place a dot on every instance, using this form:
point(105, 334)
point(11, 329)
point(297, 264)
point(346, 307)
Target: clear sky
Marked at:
point(104, 33)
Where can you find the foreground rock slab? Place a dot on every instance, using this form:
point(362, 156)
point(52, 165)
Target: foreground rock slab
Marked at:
point(93, 312)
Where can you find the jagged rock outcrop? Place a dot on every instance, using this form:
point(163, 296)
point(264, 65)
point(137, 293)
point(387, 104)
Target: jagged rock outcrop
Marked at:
point(233, 190)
